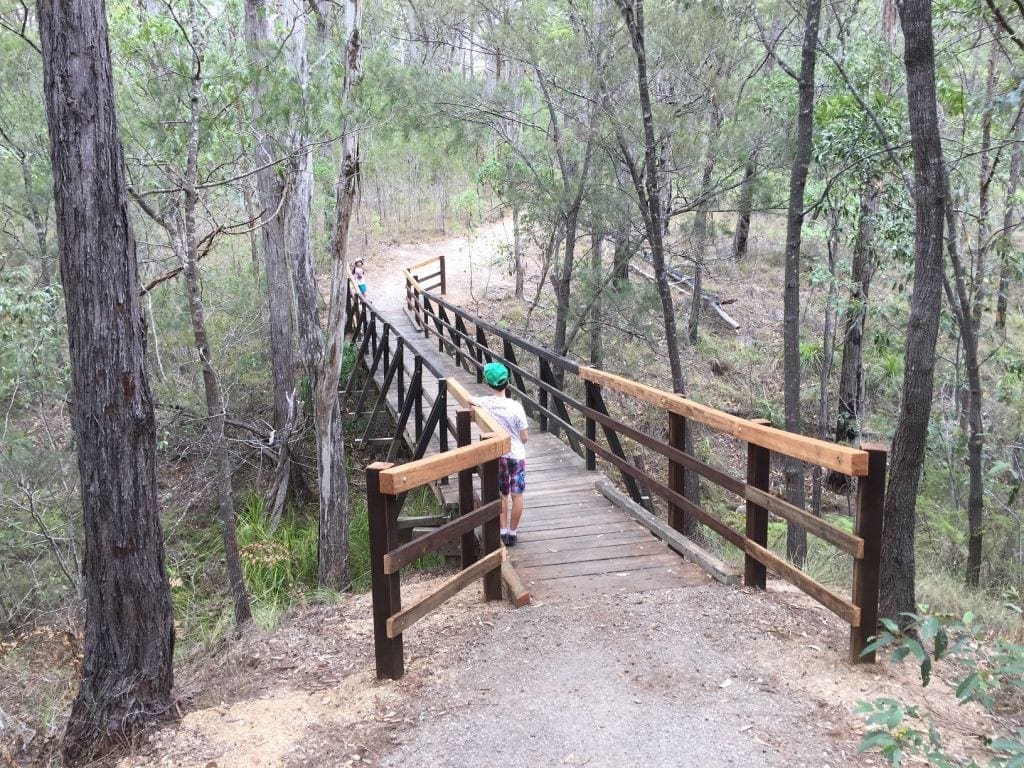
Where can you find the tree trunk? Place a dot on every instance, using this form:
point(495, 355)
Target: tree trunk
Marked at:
point(827, 355)
point(1009, 224)
point(517, 253)
point(215, 409)
point(621, 255)
point(700, 222)
point(270, 184)
point(851, 372)
point(969, 319)
point(897, 579)
point(648, 190)
point(334, 567)
point(796, 537)
point(646, 184)
point(596, 268)
point(129, 624)
point(745, 207)
point(561, 281)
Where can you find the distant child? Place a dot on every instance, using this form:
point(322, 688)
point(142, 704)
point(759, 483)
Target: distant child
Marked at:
point(360, 275)
point(512, 465)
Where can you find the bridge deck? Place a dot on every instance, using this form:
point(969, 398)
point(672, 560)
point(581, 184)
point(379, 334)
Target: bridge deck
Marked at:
point(572, 540)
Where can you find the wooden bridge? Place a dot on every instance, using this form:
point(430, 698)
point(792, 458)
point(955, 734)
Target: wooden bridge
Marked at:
point(579, 535)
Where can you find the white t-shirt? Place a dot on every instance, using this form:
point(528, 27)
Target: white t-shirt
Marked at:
point(512, 418)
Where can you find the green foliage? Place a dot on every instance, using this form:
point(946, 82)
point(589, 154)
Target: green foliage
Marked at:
point(277, 564)
point(987, 669)
point(31, 336)
point(812, 355)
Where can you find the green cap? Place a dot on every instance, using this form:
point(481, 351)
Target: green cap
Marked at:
point(496, 374)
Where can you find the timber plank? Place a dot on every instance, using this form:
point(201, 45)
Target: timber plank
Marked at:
point(405, 618)
point(611, 565)
point(569, 522)
point(634, 548)
point(557, 534)
point(849, 461)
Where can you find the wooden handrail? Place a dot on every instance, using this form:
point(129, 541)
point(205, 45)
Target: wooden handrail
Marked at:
point(842, 458)
point(423, 263)
point(405, 477)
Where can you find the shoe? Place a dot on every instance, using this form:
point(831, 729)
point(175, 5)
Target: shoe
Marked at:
point(504, 539)
point(511, 540)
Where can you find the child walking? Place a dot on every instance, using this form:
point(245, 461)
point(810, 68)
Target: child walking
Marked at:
point(512, 465)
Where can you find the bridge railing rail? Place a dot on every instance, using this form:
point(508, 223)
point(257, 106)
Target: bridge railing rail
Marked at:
point(556, 390)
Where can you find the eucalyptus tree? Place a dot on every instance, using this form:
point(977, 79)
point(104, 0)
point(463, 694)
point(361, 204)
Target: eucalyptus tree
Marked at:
point(129, 628)
point(270, 184)
point(898, 569)
point(796, 537)
point(324, 358)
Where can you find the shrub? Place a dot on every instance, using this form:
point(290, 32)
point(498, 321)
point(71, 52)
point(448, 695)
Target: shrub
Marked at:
point(992, 669)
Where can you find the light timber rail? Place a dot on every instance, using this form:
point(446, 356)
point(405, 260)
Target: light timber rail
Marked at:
point(427, 358)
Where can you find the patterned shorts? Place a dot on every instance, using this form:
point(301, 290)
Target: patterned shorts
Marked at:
point(511, 476)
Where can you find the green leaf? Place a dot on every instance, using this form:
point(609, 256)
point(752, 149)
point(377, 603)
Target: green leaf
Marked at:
point(875, 740)
point(968, 686)
point(916, 649)
point(890, 625)
point(926, 671)
point(941, 643)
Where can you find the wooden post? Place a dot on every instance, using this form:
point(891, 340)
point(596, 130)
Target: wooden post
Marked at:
point(677, 427)
point(482, 351)
point(382, 516)
point(442, 424)
point(591, 425)
point(759, 465)
point(542, 397)
point(868, 525)
point(401, 377)
point(464, 436)
point(426, 315)
point(492, 529)
point(418, 394)
point(444, 289)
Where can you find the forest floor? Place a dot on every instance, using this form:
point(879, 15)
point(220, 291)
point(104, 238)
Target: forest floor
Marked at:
point(701, 676)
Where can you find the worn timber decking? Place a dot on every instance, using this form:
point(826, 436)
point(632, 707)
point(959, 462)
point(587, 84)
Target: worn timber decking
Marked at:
point(572, 540)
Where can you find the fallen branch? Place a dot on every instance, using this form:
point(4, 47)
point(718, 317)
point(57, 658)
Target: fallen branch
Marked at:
point(679, 280)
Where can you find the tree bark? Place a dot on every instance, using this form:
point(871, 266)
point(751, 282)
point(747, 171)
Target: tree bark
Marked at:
point(796, 537)
point(334, 567)
point(129, 625)
point(1009, 224)
point(700, 222)
point(897, 579)
point(744, 210)
point(851, 375)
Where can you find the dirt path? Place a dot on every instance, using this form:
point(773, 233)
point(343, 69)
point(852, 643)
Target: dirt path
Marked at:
point(475, 268)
